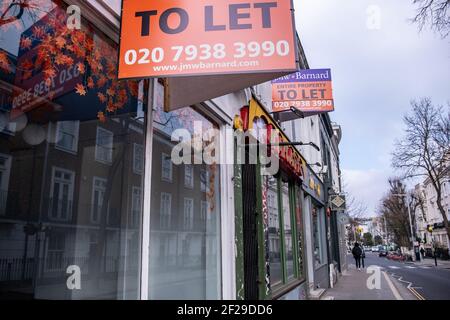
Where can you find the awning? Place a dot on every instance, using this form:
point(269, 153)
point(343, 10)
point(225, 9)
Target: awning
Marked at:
point(185, 91)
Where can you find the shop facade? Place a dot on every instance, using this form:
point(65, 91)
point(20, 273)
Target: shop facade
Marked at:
point(316, 225)
point(269, 211)
point(93, 205)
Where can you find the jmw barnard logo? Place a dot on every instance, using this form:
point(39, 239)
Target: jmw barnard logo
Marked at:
point(306, 76)
point(212, 147)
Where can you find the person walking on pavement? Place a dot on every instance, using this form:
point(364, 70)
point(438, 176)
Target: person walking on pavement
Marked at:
point(422, 252)
point(363, 255)
point(357, 252)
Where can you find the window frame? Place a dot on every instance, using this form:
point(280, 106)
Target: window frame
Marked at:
point(204, 215)
point(320, 215)
point(168, 178)
point(58, 137)
point(94, 188)
point(206, 184)
point(4, 182)
point(190, 218)
point(97, 146)
point(133, 222)
point(71, 194)
point(286, 284)
point(169, 214)
point(138, 170)
point(191, 185)
point(49, 251)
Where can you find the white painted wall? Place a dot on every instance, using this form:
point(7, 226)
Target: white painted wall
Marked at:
point(431, 210)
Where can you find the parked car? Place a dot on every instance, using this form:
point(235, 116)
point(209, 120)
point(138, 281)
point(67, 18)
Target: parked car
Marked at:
point(392, 255)
point(375, 249)
point(382, 252)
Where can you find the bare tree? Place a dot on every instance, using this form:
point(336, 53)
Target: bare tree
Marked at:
point(356, 211)
point(395, 212)
point(433, 13)
point(418, 207)
point(425, 148)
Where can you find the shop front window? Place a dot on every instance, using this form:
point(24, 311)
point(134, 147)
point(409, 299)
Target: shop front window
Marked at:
point(288, 246)
point(185, 251)
point(276, 271)
point(317, 231)
point(280, 226)
point(299, 221)
point(67, 130)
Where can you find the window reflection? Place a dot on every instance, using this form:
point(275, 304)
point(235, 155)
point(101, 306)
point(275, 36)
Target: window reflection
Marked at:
point(317, 227)
point(185, 256)
point(299, 220)
point(276, 272)
point(68, 193)
point(288, 248)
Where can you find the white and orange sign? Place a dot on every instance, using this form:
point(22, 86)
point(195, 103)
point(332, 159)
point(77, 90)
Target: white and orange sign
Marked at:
point(164, 38)
point(309, 91)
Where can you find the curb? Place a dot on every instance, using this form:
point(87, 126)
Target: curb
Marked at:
point(404, 292)
point(393, 288)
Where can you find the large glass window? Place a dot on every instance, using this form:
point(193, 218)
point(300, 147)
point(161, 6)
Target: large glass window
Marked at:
point(299, 230)
point(280, 223)
point(185, 252)
point(317, 221)
point(67, 131)
point(276, 271)
point(288, 246)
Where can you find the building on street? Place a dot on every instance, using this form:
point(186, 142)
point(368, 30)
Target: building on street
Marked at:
point(93, 204)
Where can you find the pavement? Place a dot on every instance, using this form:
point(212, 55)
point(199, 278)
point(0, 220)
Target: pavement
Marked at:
point(429, 262)
point(361, 285)
point(411, 280)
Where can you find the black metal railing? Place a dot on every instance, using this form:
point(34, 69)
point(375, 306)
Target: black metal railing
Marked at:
point(55, 264)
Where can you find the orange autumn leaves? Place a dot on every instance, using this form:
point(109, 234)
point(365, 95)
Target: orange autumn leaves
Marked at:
point(93, 59)
point(4, 62)
point(79, 88)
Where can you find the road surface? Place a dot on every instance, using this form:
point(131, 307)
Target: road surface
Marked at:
point(430, 282)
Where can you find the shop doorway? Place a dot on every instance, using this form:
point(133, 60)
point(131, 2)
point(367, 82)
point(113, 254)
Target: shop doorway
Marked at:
point(250, 232)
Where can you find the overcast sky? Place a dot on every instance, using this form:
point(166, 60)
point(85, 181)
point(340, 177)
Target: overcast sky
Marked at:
point(376, 72)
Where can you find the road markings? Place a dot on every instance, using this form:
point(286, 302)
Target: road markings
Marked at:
point(409, 286)
point(391, 285)
point(417, 294)
point(410, 267)
point(394, 267)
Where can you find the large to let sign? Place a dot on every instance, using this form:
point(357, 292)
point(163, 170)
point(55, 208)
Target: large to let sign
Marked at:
point(308, 90)
point(164, 38)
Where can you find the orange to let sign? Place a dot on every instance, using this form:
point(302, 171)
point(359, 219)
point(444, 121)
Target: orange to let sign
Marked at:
point(309, 91)
point(164, 38)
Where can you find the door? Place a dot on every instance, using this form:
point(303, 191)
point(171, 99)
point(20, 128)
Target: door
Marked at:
point(250, 232)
